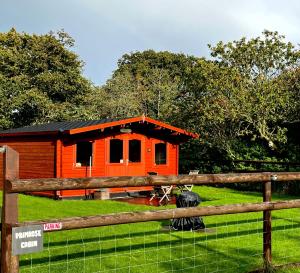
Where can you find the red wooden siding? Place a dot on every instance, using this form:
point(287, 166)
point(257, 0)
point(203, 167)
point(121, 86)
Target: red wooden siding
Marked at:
point(171, 166)
point(66, 157)
point(37, 156)
point(43, 158)
point(45, 154)
point(69, 169)
point(126, 168)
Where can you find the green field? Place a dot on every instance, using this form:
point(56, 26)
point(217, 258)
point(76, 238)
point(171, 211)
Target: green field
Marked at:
point(232, 243)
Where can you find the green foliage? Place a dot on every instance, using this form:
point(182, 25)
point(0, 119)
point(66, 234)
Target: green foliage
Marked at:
point(199, 155)
point(243, 97)
point(266, 56)
point(151, 81)
point(291, 83)
point(139, 63)
point(240, 97)
point(40, 78)
point(260, 101)
point(244, 104)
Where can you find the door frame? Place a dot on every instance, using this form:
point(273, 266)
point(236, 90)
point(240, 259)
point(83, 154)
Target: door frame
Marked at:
point(125, 164)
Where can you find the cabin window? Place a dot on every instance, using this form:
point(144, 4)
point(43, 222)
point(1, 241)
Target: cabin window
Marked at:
point(134, 150)
point(84, 153)
point(116, 151)
point(160, 153)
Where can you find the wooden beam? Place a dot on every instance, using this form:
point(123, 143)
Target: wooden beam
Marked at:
point(267, 225)
point(145, 216)
point(9, 263)
point(30, 185)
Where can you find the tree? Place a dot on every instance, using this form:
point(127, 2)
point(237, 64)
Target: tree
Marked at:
point(149, 83)
point(152, 95)
point(291, 83)
point(40, 78)
point(259, 100)
point(122, 97)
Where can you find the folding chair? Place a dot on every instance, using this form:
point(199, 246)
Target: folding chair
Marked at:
point(167, 190)
point(162, 192)
point(155, 192)
point(188, 187)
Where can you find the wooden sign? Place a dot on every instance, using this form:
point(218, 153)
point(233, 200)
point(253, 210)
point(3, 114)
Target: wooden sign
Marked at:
point(27, 239)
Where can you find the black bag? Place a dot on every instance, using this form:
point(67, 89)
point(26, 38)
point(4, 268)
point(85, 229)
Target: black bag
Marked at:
point(188, 199)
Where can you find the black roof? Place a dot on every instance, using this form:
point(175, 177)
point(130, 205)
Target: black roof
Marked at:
point(58, 126)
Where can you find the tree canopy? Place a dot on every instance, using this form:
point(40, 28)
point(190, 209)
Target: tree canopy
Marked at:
point(261, 101)
point(40, 78)
point(244, 101)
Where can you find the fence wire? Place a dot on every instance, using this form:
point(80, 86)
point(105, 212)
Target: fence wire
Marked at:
point(230, 243)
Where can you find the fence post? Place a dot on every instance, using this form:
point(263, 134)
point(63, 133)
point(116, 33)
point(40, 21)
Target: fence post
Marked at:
point(267, 225)
point(9, 263)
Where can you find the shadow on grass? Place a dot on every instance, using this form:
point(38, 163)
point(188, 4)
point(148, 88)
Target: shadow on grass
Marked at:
point(163, 224)
point(141, 246)
point(217, 261)
point(139, 234)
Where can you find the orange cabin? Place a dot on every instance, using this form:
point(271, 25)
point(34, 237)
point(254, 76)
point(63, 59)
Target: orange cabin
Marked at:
point(108, 147)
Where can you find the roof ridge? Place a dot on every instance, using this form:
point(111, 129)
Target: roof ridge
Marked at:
point(76, 126)
point(54, 125)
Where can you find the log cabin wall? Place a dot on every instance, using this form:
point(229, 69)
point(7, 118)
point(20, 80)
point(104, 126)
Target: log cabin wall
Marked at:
point(37, 155)
point(171, 166)
point(49, 150)
point(37, 158)
point(66, 157)
point(69, 168)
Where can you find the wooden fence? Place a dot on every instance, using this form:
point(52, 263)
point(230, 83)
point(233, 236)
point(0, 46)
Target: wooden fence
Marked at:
point(13, 185)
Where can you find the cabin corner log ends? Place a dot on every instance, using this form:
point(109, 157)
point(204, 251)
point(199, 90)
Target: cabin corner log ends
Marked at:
point(31, 185)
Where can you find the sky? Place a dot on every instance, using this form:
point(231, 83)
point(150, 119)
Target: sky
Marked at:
point(104, 30)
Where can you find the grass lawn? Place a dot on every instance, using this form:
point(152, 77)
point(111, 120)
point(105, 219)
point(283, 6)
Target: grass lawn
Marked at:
point(232, 243)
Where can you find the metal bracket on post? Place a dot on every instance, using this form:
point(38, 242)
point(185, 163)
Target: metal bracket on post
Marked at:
point(9, 263)
point(274, 177)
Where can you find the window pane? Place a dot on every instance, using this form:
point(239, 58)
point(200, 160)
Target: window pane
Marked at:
point(160, 153)
point(134, 150)
point(116, 151)
point(84, 153)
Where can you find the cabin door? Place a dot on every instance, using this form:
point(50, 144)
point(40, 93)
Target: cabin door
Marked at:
point(125, 155)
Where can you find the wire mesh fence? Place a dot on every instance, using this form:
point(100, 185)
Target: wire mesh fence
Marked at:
point(144, 248)
point(230, 243)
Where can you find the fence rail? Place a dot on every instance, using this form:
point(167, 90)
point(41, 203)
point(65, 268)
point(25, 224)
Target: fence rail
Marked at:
point(31, 185)
point(136, 217)
point(13, 186)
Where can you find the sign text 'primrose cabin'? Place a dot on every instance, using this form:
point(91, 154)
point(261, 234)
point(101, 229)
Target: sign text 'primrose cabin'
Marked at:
point(108, 147)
